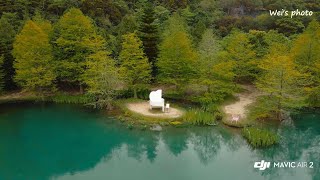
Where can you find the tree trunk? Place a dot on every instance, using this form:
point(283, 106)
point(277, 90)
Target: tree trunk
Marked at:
point(135, 93)
point(279, 111)
point(81, 89)
point(41, 93)
point(280, 98)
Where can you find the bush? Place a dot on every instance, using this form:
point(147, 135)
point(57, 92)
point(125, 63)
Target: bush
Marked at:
point(263, 108)
point(260, 137)
point(142, 93)
point(198, 117)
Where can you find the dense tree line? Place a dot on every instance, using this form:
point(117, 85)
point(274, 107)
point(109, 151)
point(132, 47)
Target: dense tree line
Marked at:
point(199, 49)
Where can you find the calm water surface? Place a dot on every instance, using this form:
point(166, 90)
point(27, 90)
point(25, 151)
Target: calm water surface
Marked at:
point(63, 142)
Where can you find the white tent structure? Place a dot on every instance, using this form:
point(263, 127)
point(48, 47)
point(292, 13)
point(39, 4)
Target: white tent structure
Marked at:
point(156, 100)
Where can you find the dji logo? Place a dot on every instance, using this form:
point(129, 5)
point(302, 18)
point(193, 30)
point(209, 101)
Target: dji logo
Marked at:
point(262, 165)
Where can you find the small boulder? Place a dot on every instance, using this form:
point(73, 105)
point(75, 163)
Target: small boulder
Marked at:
point(156, 128)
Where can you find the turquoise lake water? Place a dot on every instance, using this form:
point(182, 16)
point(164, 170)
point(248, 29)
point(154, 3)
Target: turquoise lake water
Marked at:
point(64, 142)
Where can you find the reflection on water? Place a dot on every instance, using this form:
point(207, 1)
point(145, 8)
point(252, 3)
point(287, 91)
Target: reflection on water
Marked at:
point(67, 142)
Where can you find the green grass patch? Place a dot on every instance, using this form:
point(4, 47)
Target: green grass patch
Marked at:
point(260, 137)
point(199, 117)
point(56, 98)
point(71, 99)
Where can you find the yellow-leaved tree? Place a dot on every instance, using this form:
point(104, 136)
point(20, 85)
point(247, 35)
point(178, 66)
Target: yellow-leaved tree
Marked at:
point(280, 81)
point(305, 53)
point(73, 33)
point(177, 60)
point(237, 48)
point(134, 66)
point(100, 75)
point(33, 57)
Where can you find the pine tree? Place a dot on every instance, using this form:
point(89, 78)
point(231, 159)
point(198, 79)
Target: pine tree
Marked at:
point(1, 74)
point(73, 32)
point(208, 48)
point(177, 58)
point(7, 34)
point(148, 33)
point(175, 4)
point(134, 68)
point(33, 53)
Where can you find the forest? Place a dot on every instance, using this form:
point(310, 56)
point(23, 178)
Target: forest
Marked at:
point(198, 50)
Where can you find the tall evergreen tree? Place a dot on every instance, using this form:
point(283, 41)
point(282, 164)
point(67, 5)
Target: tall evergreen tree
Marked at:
point(7, 34)
point(148, 33)
point(177, 58)
point(1, 74)
point(175, 4)
point(209, 46)
point(134, 68)
point(73, 31)
point(33, 53)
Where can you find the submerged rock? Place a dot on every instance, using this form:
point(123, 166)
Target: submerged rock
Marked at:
point(156, 128)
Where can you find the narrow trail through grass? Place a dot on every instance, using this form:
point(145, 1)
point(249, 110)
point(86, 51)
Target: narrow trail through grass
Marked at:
point(239, 108)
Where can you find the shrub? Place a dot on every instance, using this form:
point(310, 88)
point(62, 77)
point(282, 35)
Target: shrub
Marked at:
point(198, 117)
point(142, 93)
point(263, 108)
point(260, 137)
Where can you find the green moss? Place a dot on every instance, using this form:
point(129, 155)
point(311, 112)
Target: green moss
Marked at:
point(260, 137)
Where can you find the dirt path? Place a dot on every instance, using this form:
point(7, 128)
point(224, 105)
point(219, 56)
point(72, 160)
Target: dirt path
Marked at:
point(239, 108)
point(143, 108)
point(16, 96)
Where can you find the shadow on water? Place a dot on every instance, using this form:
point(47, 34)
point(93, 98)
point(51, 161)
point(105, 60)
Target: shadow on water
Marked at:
point(46, 141)
point(39, 142)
